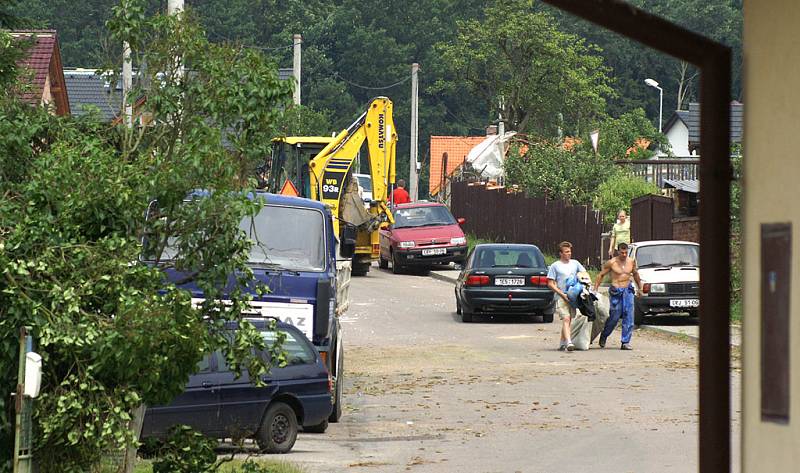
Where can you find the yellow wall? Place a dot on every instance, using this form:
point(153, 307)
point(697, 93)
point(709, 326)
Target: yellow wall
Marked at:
point(771, 180)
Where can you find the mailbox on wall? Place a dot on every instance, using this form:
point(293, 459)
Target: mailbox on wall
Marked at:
point(776, 257)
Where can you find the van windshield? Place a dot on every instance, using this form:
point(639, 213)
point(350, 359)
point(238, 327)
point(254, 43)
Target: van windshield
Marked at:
point(287, 237)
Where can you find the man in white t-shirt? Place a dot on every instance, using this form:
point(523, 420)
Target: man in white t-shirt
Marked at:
point(557, 281)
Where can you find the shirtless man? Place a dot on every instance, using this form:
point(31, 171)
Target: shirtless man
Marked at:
point(620, 294)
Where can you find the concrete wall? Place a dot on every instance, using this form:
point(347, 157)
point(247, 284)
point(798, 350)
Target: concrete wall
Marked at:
point(771, 171)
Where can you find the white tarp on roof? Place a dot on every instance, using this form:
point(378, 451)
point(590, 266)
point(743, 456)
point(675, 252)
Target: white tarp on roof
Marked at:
point(487, 157)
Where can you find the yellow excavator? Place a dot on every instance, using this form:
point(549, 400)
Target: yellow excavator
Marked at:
point(322, 168)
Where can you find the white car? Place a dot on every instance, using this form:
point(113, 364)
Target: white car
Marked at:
point(670, 273)
point(364, 187)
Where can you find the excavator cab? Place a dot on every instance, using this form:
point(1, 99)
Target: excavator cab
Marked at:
point(290, 160)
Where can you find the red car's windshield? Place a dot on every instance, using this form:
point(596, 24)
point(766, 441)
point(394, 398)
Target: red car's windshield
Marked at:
point(423, 217)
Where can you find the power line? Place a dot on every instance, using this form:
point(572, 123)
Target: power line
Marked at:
point(384, 87)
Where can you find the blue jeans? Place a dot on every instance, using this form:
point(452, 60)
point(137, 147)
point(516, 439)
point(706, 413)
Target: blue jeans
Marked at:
point(621, 305)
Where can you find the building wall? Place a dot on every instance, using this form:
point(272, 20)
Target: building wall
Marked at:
point(686, 229)
point(771, 66)
point(678, 137)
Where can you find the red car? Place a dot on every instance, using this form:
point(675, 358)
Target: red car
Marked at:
point(423, 234)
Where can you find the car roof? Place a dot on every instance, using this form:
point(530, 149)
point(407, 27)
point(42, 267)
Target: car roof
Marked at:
point(663, 242)
point(263, 323)
point(273, 199)
point(506, 246)
point(412, 205)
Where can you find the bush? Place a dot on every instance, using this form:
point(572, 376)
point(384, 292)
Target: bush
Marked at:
point(550, 171)
point(617, 192)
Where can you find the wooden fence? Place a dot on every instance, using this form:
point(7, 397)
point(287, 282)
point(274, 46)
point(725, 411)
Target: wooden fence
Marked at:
point(515, 218)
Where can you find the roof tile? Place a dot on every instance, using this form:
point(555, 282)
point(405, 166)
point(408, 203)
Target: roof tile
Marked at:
point(457, 149)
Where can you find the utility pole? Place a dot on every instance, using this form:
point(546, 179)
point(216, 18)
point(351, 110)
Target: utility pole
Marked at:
point(297, 43)
point(127, 82)
point(174, 6)
point(412, 162)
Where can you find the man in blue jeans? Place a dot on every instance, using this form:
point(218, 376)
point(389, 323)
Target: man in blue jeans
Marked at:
point(620, 295)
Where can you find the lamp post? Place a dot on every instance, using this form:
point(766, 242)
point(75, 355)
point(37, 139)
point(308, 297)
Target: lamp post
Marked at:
point(653, 83)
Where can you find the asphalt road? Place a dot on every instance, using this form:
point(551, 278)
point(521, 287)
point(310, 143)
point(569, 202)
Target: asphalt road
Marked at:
point(427, 393)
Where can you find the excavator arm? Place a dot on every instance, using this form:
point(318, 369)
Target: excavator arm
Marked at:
point(330, 167)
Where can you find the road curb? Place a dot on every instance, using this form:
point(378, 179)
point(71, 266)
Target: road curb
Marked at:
point(681, 335)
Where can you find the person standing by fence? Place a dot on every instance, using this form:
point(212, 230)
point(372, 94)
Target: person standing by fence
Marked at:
point(557, 276)
point(620, 233)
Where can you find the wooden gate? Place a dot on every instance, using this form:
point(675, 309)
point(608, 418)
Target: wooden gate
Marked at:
point(651, 218)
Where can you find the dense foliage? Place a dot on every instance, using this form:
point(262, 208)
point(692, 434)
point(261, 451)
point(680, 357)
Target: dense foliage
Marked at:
point(354, 50)
point(75, 194)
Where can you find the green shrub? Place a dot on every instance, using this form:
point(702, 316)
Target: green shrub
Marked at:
point(617, 192)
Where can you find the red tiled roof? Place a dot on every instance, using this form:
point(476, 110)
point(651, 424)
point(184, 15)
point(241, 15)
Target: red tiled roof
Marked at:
point(457, 149)
point(37, 60)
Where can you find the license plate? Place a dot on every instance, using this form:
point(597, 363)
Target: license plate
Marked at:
point(684, 303)
point(509, 282)
point(434, 251)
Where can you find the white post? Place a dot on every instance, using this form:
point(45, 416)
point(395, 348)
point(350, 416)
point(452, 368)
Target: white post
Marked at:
point(297, 42)
point(660, 106)
point(127, 83)
point(412, 164)
point(174, 6)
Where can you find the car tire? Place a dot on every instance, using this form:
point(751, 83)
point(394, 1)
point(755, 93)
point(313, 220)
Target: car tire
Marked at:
point(458, 306)
point(278, 430)
point(383, 263)
point(336, 413)
point(317, 429)
point(466, 317)
point(638, 315)
point(547, 318)
point(396, 267)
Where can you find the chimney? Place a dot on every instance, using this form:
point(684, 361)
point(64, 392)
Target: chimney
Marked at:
point(491, 130)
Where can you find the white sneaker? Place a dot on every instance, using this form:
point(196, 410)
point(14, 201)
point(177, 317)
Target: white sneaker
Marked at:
point(562, 347)
point(570, 347)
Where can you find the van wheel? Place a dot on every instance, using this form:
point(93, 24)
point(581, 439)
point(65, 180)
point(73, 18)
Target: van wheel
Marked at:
point(336, 413)
point(466, 317)
point(317, 429)
point(383, 263)
point(547, 318)
point(278, 430)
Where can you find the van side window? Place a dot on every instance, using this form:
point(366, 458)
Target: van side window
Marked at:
point(298, 352)
point(205, 365)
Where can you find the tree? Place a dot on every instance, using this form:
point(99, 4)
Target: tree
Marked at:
point(72, 225)
point(541, 78)
point(617, 192)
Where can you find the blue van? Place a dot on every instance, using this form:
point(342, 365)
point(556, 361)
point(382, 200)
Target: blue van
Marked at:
point(297, 255)
point(219, 405)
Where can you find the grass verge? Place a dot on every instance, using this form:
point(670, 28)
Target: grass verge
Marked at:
point(236, 466)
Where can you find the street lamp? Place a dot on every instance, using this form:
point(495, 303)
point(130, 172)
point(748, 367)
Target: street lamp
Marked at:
point(653, 83)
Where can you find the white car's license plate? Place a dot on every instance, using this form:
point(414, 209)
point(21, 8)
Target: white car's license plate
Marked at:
point(684, 303)
point(434, 251)
point(509, 281)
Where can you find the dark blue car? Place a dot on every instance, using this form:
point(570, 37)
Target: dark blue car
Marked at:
point(218, 404)
point(500, 278)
